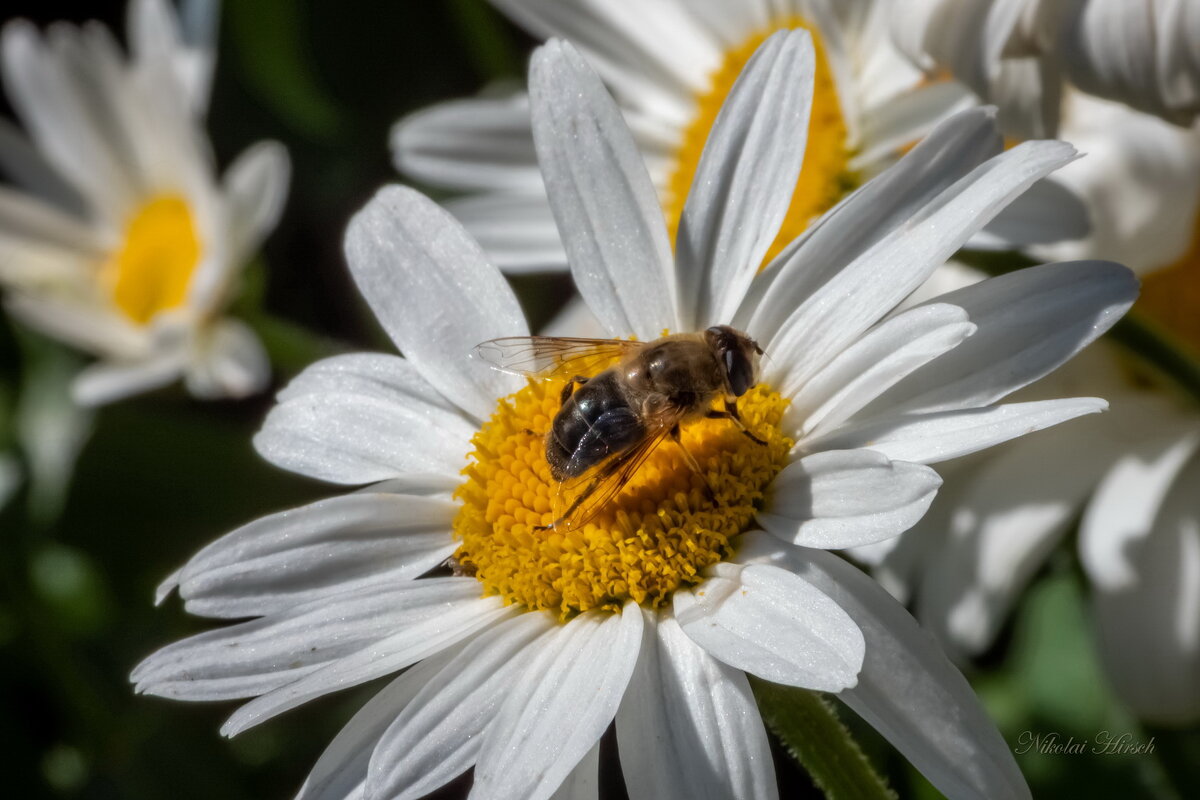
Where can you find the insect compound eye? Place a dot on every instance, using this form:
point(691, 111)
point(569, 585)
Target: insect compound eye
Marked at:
point(738, 371)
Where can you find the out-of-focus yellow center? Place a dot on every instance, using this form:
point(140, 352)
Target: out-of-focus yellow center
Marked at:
point(652, 538)
point(152, 269)
point(1171, 296)
point(825, 176)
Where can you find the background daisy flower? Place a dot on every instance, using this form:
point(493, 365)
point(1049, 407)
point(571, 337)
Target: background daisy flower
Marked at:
point(1140, 183)
point(666, 600)
point(118, 238)
point(670, 66)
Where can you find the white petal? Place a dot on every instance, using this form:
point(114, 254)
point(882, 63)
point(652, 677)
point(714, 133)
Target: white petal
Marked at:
point(474, 144)
point(254, 657)
point(928, 438)
point(1047, 212)
point(435, 294)
point(1124, 511)
point(876, 281)
point(517, 231)
point(688, 728)
point(1005, 518)
point(846, 498)
point(85, 326)
point(331, 546)
point(584, 781)
point(907, 689)
point(439, 735)
point(25, 166)
point(228, 360)
point(1029, 323)
point(772, 624)
point(1149, 633)
point(342, 768)
point(578, 674)
point(108, 381)
point(877, 209)
point(907, 118)
point(256, 187)
point(745, 180)
point(870, 366)
point(429, 627)
point(363, 418)
point(655, 56)
point(607, 211)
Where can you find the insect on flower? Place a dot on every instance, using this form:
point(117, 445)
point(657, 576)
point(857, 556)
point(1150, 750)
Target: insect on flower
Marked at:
point(611, 418)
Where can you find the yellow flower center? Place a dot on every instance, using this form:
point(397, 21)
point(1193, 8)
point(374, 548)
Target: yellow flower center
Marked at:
point(1171, 296)
point(152, 269)
point(825, 176)
point(653, 537)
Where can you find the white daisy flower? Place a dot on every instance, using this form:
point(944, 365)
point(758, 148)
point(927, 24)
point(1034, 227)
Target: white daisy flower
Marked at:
point(998, 518)
point(1019, 54)
point(118, 237)
point(653, 612)
point(969, 561)
point(670, 64)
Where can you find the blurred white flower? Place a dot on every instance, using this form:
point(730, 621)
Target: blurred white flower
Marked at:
point(670, 65)
point(652, 612)
point(1140, 183)
point(1134, 475)
point(1019, 54)
point(119, 239)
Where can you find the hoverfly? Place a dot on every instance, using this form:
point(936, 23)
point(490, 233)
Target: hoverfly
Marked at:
point(611, 419)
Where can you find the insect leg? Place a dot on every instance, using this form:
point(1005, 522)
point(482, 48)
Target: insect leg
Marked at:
point(691, 462)
point(569, 389)
point(731, 413)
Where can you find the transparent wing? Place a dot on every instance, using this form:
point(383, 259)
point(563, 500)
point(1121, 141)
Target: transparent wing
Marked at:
point(579, 499)
point(553, 356)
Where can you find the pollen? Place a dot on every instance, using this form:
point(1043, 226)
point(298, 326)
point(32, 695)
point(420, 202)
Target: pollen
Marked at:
point(825, 176)
point(653, 537)
point(153, 267)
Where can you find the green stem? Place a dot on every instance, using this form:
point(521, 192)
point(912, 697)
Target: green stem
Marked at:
point(1152, 345)
point(808, 726)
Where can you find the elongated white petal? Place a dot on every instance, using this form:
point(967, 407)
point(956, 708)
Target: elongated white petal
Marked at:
point(1155, 668)
point(654, 55)
point(578, 674)
point(907, 689)
point(254, 657)
point(341, 770)
point(227, 360)
point(870, 366)
point(1047, 212)
point(607, 211)
point(846, 498)
point(363, 418)
point(1005, 519)
point(517, 231)
point(1124, 510)
point(473, 144)
point(772, 624)
point(877, 280)
point(433, 625)
point(688, 728)
point(745, 179)
point(107, 381)
point(435, 294)
point(439, 734)
point(584, 781)
point(256, 187)
point(929, 438)
point(878, 208)
point(299, 556)
point(1029, 322)
point(28, 169)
